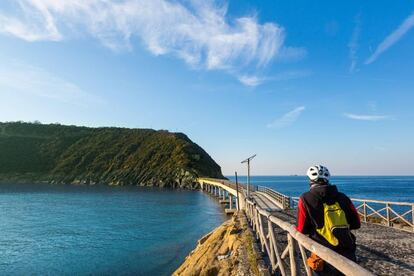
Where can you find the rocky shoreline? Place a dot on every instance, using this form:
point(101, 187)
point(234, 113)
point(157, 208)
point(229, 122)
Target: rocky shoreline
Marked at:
point(230, 249)
point(188, 183)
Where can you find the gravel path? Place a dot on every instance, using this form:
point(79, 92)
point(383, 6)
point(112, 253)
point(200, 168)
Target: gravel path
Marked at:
point(382, 250)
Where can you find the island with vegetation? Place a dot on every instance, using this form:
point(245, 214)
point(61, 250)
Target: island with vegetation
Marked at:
point(54, 153)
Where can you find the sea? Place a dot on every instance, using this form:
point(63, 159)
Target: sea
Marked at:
point(387, 188)
point(106, 230)
point(100, 230)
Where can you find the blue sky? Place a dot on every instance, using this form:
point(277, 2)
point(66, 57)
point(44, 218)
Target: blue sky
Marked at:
point(297, 82)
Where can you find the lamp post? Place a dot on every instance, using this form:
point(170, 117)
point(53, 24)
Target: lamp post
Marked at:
point(248, 172)
point(237, 192)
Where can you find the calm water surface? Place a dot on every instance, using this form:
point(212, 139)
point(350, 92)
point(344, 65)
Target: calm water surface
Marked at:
point(55, 230)
point(390, 188)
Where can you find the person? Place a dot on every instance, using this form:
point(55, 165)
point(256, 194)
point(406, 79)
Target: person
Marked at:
point(327, 216)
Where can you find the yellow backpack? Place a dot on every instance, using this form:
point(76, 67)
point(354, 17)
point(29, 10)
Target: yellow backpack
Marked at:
point(334, 218)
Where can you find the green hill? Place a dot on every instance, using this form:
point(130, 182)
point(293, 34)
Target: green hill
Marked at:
point(115, 156)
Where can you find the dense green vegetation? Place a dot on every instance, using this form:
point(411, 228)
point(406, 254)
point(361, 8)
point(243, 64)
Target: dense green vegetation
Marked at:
point(114, 156)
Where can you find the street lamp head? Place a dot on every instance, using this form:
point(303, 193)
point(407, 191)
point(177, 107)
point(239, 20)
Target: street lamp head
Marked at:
point(248, 159)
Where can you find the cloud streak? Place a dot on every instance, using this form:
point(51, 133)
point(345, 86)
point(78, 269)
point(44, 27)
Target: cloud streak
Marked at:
point(197, 32)
point(392, 38)
point(353, 44)
point(253, 80)
point(287, 119)
point(361, 117)
point(26, 79)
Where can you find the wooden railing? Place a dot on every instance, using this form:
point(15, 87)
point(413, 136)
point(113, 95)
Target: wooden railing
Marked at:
point(392, 214)
point(270, 231)
point(294, 201)
point(284, 200)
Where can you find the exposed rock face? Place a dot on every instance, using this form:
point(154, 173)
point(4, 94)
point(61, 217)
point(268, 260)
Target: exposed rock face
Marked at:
point(112, 156)
point(228, 250)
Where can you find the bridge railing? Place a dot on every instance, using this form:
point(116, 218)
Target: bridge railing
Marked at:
point(392, 214)
point(294, 201)
point(284, 200)
point(281, 241)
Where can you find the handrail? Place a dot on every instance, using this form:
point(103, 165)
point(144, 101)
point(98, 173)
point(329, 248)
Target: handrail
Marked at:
point(385, 214)
point(270, 244)
point(279, 197)
point(382, 201)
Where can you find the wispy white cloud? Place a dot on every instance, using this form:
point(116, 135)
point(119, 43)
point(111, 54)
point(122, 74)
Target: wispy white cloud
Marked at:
point(392, 38)
point(25, 79)
point(250, 80)
point(198, 32)
point(287, 119)
point(353, 44)
point(253, 80)
point(362, 117)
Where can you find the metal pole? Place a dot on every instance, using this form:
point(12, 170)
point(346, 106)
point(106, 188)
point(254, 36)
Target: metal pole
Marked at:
point(248, 178)
point(237, 191)
point(248, 172)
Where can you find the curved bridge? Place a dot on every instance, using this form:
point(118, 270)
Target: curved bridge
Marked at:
point(227, 193)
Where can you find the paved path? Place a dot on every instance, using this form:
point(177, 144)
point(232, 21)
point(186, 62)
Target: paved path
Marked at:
point(265, 202)
point(384, 250)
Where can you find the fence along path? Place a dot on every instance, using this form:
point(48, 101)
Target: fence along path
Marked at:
point(280, 240)
point(399, 215)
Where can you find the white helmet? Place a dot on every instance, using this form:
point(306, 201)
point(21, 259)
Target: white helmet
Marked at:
point(318, 172)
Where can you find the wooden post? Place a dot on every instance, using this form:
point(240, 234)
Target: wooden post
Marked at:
point(412, 215)
point(292, 259)
point(275, 248)
point(365, 211)
point(237, 192)
point(388, 214)
point(304, 259)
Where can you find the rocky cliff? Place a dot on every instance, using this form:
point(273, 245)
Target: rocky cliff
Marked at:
point(114, 156)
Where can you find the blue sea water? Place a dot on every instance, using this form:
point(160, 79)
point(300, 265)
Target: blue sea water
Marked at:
point(101, 230)
point(388, 188)
point(81, 230)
